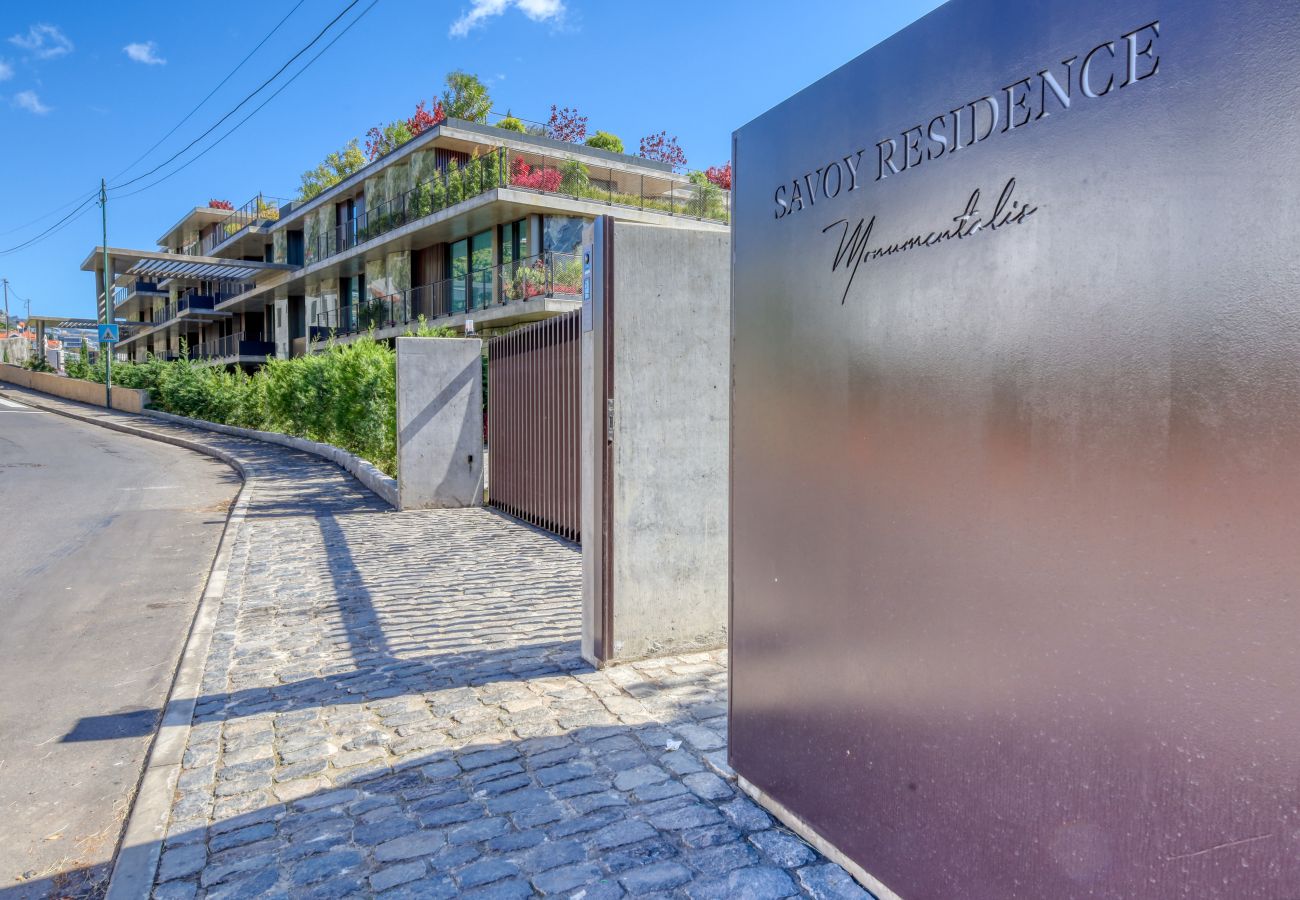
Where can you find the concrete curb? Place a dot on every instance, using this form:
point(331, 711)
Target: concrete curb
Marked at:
point(381, 485)
point(140, 851)
point(140, 848)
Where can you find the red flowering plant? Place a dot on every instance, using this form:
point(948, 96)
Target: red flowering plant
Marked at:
point(540, 179)
point(566, 125)
point(423, 119)
point(220, 204)
point(662, 148)
point(719, 175)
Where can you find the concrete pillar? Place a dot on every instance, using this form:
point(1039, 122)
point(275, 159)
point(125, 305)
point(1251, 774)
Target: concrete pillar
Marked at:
point(668, 553)
point(439, 422)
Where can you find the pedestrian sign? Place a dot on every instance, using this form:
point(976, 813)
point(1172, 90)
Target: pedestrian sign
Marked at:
point(108, 334)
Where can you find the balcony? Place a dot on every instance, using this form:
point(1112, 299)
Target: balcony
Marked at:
point(137, 288)
point(545, 276)
point(533, 172)
point(195, 303)
point(261, 210)
point(233, 347)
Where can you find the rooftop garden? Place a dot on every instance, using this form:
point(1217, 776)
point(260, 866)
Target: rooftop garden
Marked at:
point(466, 97)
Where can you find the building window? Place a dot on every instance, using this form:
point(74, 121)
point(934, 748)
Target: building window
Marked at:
point(562, 234)
point(469, 264)
point(514, 241)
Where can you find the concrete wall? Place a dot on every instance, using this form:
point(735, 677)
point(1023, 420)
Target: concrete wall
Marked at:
point(672, 295)
point(125, 399)
point(439, 422)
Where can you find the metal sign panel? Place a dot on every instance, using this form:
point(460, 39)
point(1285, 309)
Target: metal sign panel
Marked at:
point(1016, 422)
point(108, 334)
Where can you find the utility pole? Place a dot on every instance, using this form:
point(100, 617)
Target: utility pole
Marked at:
point(104, 347)
point(8, 325)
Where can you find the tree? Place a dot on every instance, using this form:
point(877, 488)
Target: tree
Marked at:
point(382, 140)
point(466, 97)
point(720, 175)
point(663, 148)
point(332, 170)
point(603, 140)
point(566, 125)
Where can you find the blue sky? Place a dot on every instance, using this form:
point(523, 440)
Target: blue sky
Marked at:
point(87, 87)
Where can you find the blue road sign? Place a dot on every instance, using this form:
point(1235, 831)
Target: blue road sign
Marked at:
point(108, 334)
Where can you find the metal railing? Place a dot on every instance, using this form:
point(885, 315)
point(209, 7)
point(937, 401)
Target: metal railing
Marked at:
point(232, 345)
point(261, 210)
point(544, 275)
point(187, 302)
point(165, 313)
point(121, 294)
point(527, 171)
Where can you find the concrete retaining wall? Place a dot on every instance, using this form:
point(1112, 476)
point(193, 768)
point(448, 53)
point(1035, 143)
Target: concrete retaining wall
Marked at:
point(124, 399)
point(672, 327)
point(439, 422)
point(381, 485)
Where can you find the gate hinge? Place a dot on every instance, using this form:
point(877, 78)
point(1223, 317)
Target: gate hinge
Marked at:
point(609, 419)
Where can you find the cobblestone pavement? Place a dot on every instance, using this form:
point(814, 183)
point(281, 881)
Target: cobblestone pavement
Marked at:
point(394, 704)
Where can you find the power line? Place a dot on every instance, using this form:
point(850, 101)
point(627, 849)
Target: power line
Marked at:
point(83, 207)
point(237, 106)
point(242, 121)
point(188, 116)
point(27, 243)
point(222, 84)
point(42, 218)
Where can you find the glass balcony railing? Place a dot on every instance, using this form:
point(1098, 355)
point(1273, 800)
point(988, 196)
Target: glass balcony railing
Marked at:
point(527, 171)
point(547, 275)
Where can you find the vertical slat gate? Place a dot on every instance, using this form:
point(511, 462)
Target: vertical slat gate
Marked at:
point(533, 427)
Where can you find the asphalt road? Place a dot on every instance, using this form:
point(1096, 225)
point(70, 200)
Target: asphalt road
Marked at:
point(105, 545)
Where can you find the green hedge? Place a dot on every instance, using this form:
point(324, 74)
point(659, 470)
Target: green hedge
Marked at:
point(345, 395)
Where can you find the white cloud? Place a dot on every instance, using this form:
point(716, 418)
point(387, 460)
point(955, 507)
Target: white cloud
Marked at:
point(482, 10)
point(146, 53)
point(43, 41)
point(30, 102)
point(6, 71)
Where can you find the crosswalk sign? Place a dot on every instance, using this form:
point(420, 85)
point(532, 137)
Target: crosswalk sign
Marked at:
point(108, 334)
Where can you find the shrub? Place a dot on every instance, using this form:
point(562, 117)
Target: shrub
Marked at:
point(524, 175)
point(424, 329)
point(332, 170)
point(706, 199)
point(510, 123)
point(345, 396)
point(574, 178)
point(720, 175)
point(422, 202)
point(603, 140)
point(455, 187)
point(80, 367)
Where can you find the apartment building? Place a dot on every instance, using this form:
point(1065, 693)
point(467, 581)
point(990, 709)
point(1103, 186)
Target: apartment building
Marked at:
point(465, 223)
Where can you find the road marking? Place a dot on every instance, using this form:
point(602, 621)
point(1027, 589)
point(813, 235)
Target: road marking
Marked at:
point(13, 404)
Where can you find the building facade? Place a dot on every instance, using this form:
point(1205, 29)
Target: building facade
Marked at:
point(465, 223)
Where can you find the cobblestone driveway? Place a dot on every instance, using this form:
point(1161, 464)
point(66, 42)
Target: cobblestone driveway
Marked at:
point(394, 702)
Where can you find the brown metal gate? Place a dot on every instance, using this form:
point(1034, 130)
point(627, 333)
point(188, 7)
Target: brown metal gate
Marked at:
point(533, 424)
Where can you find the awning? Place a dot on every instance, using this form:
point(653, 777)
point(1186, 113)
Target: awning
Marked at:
point(179, 269)
point(66, 322)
